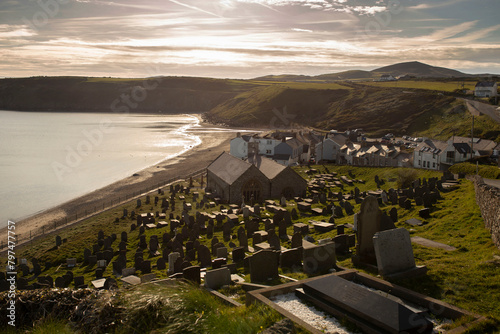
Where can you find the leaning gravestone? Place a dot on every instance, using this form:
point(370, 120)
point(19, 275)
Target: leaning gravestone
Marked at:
point(395, 254)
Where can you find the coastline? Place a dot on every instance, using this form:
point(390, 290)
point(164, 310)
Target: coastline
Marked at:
point(191, 160)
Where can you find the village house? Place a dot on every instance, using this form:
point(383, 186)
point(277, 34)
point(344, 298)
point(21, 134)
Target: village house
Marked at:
point(387, 77)
point(256, 179)
point(439, 155)
point(486, 89)
point(285, 147)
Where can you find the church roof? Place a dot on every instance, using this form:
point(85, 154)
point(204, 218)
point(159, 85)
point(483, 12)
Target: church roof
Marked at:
point(228, 167)
point(268, 167)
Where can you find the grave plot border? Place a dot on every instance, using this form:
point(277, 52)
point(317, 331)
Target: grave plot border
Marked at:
point(445, 310)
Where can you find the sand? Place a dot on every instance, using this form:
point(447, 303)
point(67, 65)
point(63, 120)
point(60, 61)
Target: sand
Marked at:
point(213, 144)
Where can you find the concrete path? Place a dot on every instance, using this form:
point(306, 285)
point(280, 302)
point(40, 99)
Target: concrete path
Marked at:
point(429, 243)
point(493, 183)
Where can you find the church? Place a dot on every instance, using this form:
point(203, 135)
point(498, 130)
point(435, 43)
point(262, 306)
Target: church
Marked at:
point(256, 179)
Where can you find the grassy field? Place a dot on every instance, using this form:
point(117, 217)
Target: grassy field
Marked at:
point(448, 86)
point(467, 278)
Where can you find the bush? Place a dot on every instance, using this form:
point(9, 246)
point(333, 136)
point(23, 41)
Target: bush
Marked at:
point(405, 176)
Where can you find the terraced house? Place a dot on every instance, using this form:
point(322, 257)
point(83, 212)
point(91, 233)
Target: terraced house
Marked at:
point(439, 155)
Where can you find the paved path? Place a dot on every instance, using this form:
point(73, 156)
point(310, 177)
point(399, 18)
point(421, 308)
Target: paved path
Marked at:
point(476, 108)
point(493, 183)
point(429, 243)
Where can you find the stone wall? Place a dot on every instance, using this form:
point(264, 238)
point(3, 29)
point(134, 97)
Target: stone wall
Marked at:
point(488, 200)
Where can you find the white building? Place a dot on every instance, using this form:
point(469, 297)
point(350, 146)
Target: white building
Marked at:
point(486, 89)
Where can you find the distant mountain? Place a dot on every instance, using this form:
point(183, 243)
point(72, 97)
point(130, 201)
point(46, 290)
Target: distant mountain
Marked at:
point(418, 69)
point(412, 69)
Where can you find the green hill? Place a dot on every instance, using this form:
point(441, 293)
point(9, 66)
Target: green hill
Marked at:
point(375, 110)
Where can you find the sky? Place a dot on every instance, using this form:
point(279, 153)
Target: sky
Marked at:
point(243, 38)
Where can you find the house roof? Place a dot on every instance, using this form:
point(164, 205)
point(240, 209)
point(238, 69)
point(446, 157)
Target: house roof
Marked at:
point(294, 143)
point(268, 167)
point(479, 144)
point(462, 147)
point(228, 167)
point(486, 84)
point(431, 146)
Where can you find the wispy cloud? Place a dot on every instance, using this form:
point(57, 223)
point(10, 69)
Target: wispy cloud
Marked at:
point(244, 38)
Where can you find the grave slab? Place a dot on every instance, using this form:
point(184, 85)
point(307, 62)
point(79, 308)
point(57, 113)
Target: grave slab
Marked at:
point(367, 305)
point(430, 243)
point(131, 280)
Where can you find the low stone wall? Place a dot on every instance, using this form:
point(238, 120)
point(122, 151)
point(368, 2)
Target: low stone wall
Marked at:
point(488, 199)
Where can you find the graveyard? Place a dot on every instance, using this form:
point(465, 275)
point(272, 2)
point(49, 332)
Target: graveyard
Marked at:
point(419, 230)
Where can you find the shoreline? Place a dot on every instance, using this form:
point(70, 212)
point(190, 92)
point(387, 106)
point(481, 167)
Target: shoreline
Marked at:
point(192, 160)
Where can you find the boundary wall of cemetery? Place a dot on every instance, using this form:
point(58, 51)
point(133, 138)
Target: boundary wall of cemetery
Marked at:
point(488, 200)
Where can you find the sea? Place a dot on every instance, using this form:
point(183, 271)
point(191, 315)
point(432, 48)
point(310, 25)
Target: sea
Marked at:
point(49, 158)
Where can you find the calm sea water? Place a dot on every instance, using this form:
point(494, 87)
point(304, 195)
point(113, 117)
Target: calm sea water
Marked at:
point(49, 158)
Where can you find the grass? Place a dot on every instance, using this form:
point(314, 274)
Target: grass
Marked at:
point(446, 86)
point(467, 278)
point(454, 119)
point(486, 171)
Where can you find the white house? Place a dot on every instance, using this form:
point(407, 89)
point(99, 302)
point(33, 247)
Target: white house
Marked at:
point(486, 89)
point(428, 154)
point(329, 149)
point(387, 77)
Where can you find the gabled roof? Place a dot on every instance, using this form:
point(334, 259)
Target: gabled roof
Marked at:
point(486, 84)
point(294, 143)
point(228, 168)
point(479, 144)
point(431, 146)
point(268, 167)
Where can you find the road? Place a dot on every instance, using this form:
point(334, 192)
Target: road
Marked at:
point(476, 108)
point(493, 183)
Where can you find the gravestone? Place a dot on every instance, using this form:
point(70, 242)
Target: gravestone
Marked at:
point(291, 258)
point(238, 254)
point(128, 271)
point(274, 241)
point(370, 220)
point(124, 236)
point(221, 252)
point(204, 256)
point(297, 240)
point(394, 214)
point(58, 241)
point(395, 254)
point(172, 258)
point(86, 254)
point(216, 278)
point(160, 264)
point(192, 274)
point(80, 282)
point(319, 259)
point(264, 266)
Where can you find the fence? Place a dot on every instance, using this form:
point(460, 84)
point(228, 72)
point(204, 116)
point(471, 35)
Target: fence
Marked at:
point(106, 205)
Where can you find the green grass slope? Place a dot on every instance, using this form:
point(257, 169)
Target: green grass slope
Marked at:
point(343, 107)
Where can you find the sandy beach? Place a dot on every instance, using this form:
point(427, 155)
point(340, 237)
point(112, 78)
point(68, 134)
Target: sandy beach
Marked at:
point(195, 159)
